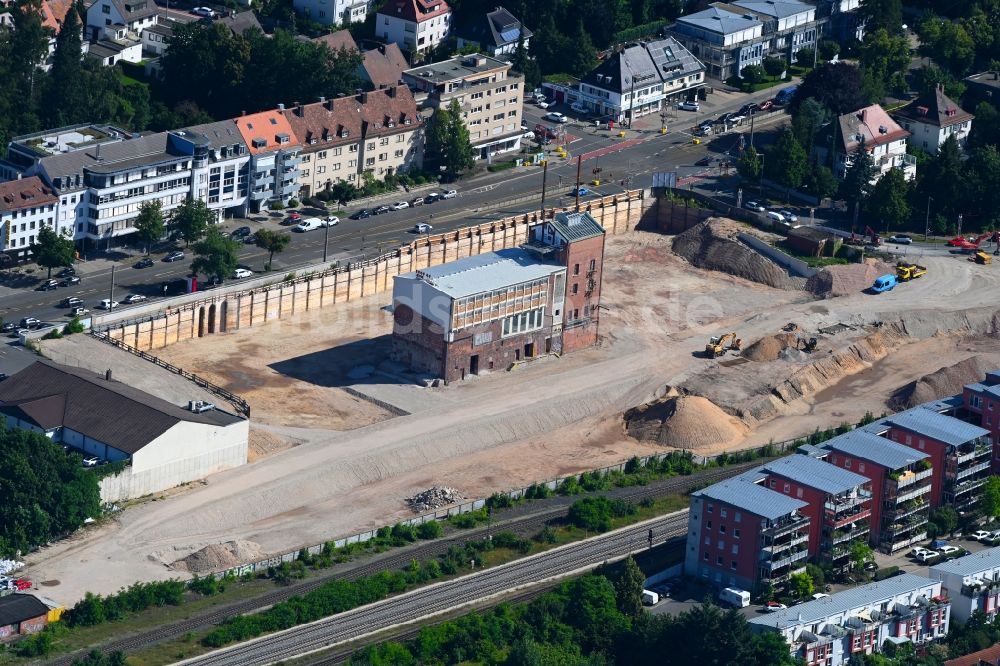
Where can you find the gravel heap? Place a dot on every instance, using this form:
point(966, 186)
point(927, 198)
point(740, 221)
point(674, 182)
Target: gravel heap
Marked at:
point(769, 348)
point(848, 278)
point(434, 498)
point(220, 556)
point(685, 422)
point(946, 381)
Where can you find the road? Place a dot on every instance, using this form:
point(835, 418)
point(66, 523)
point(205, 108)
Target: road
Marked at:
point(429, 601)
point(637, 156)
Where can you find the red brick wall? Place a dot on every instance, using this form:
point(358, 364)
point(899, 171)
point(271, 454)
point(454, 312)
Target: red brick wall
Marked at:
point(417, 342)
point(581, 314)
point(500, 351)
point(748, 542)
point(877, 474)
point(932, 447)
point(34, 625)
point(815, 510)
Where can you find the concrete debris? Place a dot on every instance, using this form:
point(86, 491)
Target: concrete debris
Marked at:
point(7, 566)
point(434, 498)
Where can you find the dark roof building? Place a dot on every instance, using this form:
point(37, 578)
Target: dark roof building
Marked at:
point(21, 614)
point(28, 192)
point(932, 118)
point(496, 33)
point(383, 66)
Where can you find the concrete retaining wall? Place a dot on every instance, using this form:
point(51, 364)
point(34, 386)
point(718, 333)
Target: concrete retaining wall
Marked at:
point(794, 266)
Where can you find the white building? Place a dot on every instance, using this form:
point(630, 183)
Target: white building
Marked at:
point(932, 118)
point(881, 137)
point(133, 15)
point(416, 26)
point(26, 205)
point(972, 583)
point(165, 444)
point(333, 12)
point(275, 155)
point(495, 33)
point(830, 630)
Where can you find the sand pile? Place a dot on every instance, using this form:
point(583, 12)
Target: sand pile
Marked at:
point(847, 279)
point(947, 381)
point(713, 245)
point(769, 348)
point(220, 556)
point(686, 422)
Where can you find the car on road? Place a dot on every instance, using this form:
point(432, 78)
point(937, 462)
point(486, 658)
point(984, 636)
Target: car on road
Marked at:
point(689, 105)
point(361, 214)
point(789, 215)
point(582, 191)
point(241, 273)
point(205, 12)
point(30, 322)
point(8, 326)
point(145, 262)
point(78, 312)
point(449, 194)
point(432, 197)
point(422, 228)
point(774, 606)
point(380, 210)
point(134, 298)
point(753, 205)
point(928, 555)
point(725, 118)
point(980, 535)
point(309, 224)
point(176, 255)
point(748, 109)
point(705, 161)
point(70, 302)
point(994, 536)
point(90, 461)
point(47, 285)
point(70, 281)
point(295, 217)
point(107, 304)
point(556, 117)
point(900, 240)
point(820, 595)
point(400, 205)
point(66, 272)
point(331, 221)
point(775, 216)
point(767, 105)
point(240, 233)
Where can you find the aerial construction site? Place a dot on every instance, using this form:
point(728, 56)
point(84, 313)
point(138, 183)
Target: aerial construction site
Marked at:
point(341, 437)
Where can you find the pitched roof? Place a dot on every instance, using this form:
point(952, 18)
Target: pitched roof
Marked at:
point(719, 21)
point(135, 10)
point(643, 63)
point(374, 113)
point(262, 130)
point(54, 13)
point(943, 428)
point(935, 108)
point(219, 134)
point(385, 65)
point(871, 447)
point(339, 39)
point(16, 608)
point(988, 657)
point(576, 226)
point(416, 11)
point(815, 473)
point(752, 498)
point(51, 395)
point(870, 124)
point(387, 111)
point(74, 161)
point(497, 29)
point(775, 8)
point(241, 22)
point(25, 193)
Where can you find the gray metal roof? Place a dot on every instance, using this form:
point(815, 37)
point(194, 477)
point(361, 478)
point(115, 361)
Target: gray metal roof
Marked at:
point(943, 404)
point(969, 565)
point(871, 447)
point(816, 474)
point(776, 8)
point(220, 134)
point(640, 64)
point(943, 428)
point(857, 598)
point(576, 226)
point(485, 272)
point(718, 20)
point(73, 162)
point(752, 498)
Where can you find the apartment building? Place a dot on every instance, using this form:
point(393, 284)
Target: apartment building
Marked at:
point(333, 12)
point(972, 583)
point(830, 631)
point(980, 403)
point(378, 131)
point(221, 165)
point(26, 206)
point(641, 79)
point(495, 33)
point(932, 118)
point(133, 15)
point(901, 480)
point(416, 26)
point(874, 131)
point(489, 94)
point(275, 156)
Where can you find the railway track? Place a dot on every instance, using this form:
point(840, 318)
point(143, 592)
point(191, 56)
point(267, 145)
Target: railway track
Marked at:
point(524, 520)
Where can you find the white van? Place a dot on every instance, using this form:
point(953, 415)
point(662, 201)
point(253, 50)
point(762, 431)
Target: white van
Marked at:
point(650, 598)
point(734, 596)
point(309, 224)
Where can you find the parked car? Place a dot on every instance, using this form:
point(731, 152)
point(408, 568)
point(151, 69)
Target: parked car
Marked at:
point(449, 194)
point(70, 281)
point(582, 191)
point(556, 117)
point(70, 302)
point(90, 461)
point(528, 135)
point(8, 327)
point(134, 298)
point(820, 595)
point(176, 255)
point(774, 606)
point(48, 285)
point(753, 205)
point(380, 210)
point(789, 215)
point(250, 240)
point(577, 107)
point(241, 273)
point(767, 105)
point(949, 550)
point(66, 272)
point(78, 312)
point(775, 216)
point(725, 118)
point(205, 12)
point(432, 197)
point(524, 125)
point(901, 240)
point(928, 555)
point(30, 322)
point(917, 550)
point(309, 224)
point(361, 214)
point(689, 105)
point(543, 104)
point(705, 161)
point(417, 201)
point(400, 205)
point(737, 118)
point(241, 232)
point(107, 304)
point(145, 262)
point(980, 535)
point(994, 535)
point(748, 109)
point(294, 216)
point(331, 221)
point(422, 228)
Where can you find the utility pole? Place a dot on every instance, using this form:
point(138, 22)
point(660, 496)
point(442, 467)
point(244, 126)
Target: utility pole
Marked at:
point(545, 173)
point(752, 114)
point(111, 296)
point(579, 164)
point(326, 239)
point(927, 219)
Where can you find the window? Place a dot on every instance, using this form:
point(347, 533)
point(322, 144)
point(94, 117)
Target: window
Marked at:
point(576, 287)
point(384, 141)
point(723, 513)
point(352, 148)
point(733, 565)
point(847, 463)
point(722, 529)
point(398, 153)
point(738, 517)
point(736, 549)
point(705, 557)
point(798, 493)
point(788, 487)
point(861, 467)
point(708, 508)
point(321, 155)
point(718, 560)
point(370, 146)
point(337, 151)
point(736, 534)
point(400, 138)
point(370, 161)
point(593, 264)
point(105, 9)
point(576, 269)
point(320, 169)
point(383, 157)
point(708, 524)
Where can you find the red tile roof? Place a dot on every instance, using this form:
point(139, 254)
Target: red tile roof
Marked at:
point(417, 11)
point(323, 124)
point(990, 655)
point(385, 65)
point(25, 193)
point(265, 126)
point(54, 13)
point(935, 109)
point(872, 124)
point(338, 40)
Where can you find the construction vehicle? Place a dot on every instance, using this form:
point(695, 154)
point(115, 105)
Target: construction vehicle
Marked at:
point(906, 271)
point(969, 244)
point(719, 345)
point(981, 258)
point(807, 345)
point(870, 238)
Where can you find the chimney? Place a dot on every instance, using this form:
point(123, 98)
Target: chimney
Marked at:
point(381, 49)
point(322, 98)
point(391, 92)
point(107, 375)
point(864, 112)
point(329, 105)
point(281, 107)
point(300, 111)
point(243, 113)
point(363, 98)
point(996, 75)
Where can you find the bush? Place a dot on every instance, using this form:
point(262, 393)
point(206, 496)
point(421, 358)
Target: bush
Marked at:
point(293, 203)
point(74, 326)
point(429, 530)
point(595, 513)
point(54, 334)
point(94, 609)
point(36, 645)
point(537, 491)
point(276, 205)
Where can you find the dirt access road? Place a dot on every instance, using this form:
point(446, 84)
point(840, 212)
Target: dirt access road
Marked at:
point(549, 418)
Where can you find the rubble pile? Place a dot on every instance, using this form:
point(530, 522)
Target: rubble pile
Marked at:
point(7, 566)
point(435, 498)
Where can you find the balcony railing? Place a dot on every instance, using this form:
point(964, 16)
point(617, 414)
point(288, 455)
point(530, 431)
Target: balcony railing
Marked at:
point(967, 486)
point(893, 546)
point(912, 494)
point(840, 521)
point(978, 452)
point(972, 469)
point(909, 478)
point(850, 536)
point(786, 526)
point(785, 545)
point(844, 503)
point(904, 510)
point(785, 561)
point(896, 529)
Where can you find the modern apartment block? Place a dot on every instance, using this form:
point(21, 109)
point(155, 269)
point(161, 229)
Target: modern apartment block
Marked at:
point(981, 403)
point(489, 94)
point(972, 583)
point(275, 155)
point(378, 131)
point(27, 205)
point(221, 166)
point(831, 630)
point(416, 26)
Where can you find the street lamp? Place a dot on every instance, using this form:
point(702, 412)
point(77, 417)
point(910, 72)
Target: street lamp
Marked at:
point(927, 219)
point(760, 182)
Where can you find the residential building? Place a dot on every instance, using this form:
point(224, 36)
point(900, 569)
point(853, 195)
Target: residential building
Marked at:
point(489, 311)
point(497, 33)
point(980, 403)
point(901, 480)
point(972, 583)
point(337, 40)
point(932, 118)
point(27, 205)
point(830, 631)
point(745, 535)
point(383, 66)
point(416, 26)
point(165, 444)
point(21, 615)
point(333, 12)
point(641, 79)
point(114, 44)
point(240, 22)
point(840, 20)
point(872, 130)
point(156, 38)
point(378, 131)
point(982, 87)
point(728, 37)
point(133, 15)
point(275, 155)
point(220, 170)
point(987, 657)
point(488, 93)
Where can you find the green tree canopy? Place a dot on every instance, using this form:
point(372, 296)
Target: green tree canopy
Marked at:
point(215, 255)
point(787, 163)
point(942, 179)
point(191, 219)
point(805, 57)
point(801, 585)
point(888, 204)
point(837, 86)
point(149, 225)
point(882, 14)
point(861, 554)
point(828, 48)
point(273, 242)
point(749, 164)
point(949, 44)
point(820, 181)
point(628, 590)
point(883, 60)
point(51, 250)
point(447, 147)
point(775, 66)
point(945, 518)
point(753, 74)
point(989, 499)
point(810, 117)
point(857, 183)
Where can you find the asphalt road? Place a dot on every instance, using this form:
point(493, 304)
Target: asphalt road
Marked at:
point(428, 601)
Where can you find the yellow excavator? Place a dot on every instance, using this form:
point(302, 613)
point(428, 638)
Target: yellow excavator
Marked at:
point(807, 344)
point(981, 258)
point(719, 345)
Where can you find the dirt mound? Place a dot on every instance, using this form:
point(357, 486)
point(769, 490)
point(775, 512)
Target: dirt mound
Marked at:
point(686, 422)
point(946, 381)
point(769, 348)
point(713, 245)
point(847, 279)
point(220, 556)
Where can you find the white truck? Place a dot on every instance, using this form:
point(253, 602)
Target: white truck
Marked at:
point(650, 598)
point(734, 596)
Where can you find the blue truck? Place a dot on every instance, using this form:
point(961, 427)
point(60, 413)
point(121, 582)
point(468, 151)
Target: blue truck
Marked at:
point(884, 283)
point(785, 95)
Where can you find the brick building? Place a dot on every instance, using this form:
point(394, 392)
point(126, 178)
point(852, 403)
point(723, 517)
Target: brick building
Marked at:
point(20, 615)
point(486, 312)
point(981, 404)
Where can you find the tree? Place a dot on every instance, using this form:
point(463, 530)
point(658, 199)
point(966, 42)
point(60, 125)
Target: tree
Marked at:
point(805, 57)
point(883, 59)
point(801, 585)
point(66, 94)
point(787, 163)
point(628, 590)
point(837, 86)
point(945, 518)
point(861, 554)
point(749, 164)
point(447, 147)
point(272, 241)
point(191, 219)
point(889, 200)
point(885, 14)
point(775, 66)
point(817, 575)
point(857, 183)
point(460, 153)
point(810, 117)
point(215, 255)
point(828, 49)
point(820, 182)
point(942, 179)
point(149, 225)
point(949, 44)
point(981, 174)
point(51, 250)
point(989, 500)
point(525, 64)
point(753, 74)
